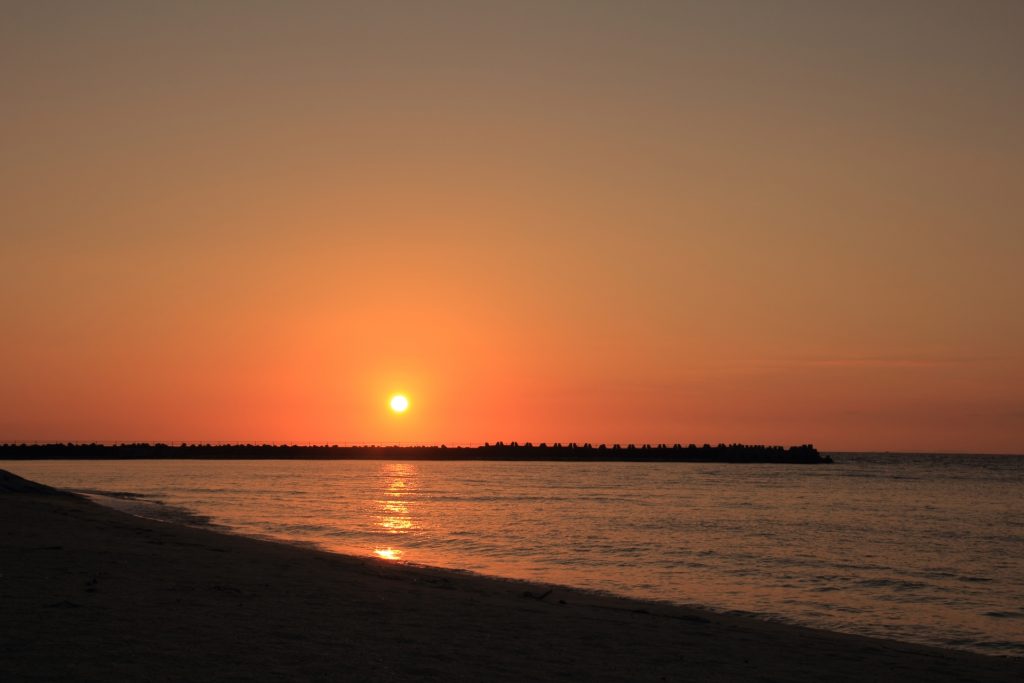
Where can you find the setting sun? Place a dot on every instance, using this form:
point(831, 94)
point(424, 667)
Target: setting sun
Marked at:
point(399, 403)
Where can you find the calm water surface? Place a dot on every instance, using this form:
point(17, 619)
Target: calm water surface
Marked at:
point(920, 548)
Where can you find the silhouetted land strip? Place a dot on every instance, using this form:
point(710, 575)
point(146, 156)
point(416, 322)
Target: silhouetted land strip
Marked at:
point(93, 594)
point(572, 452)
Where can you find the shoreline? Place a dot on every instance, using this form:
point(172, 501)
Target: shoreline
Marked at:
point(180, 516)
point(498, 452)
point(93, 593)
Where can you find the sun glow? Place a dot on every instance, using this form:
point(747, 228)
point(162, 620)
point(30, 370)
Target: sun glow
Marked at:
point(399, 403)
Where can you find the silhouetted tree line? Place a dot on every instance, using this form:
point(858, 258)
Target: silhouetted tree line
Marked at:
point(739, 453)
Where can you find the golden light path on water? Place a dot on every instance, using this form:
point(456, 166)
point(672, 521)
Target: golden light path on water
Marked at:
point(394, 516)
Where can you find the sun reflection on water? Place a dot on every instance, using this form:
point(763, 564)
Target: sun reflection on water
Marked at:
point(395, 516)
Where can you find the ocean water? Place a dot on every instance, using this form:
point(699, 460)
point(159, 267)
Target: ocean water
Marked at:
point(927, 548)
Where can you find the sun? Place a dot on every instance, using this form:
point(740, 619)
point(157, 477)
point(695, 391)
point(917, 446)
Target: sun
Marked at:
point(399, 403)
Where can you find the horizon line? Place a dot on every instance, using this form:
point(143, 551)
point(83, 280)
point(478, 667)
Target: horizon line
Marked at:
point(481, 444)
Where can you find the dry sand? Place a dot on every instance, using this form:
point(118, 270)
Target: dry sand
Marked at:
point(89, 593)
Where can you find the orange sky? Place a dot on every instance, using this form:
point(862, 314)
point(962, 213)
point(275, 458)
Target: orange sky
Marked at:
point(593, 221)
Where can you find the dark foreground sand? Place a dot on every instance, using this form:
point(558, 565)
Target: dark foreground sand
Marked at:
point(88, 593)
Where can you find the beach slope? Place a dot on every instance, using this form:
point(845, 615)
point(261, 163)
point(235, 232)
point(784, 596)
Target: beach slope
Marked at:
point(92, 594)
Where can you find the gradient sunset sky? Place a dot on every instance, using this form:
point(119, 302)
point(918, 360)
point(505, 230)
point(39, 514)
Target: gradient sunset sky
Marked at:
point(766, 222)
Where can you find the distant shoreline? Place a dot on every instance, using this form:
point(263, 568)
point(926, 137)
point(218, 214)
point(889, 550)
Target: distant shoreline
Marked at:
point(571, 452)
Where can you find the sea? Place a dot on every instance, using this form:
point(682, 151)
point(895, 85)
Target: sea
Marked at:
point(920, 548)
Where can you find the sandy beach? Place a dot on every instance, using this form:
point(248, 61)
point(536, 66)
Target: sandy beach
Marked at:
point(92, 594)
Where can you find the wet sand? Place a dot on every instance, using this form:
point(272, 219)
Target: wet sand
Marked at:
point(89, 593)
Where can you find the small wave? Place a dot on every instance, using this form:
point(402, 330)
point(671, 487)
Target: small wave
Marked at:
point(1001, 646)
point(151, 509)
point(896, 584)
point(124, 495)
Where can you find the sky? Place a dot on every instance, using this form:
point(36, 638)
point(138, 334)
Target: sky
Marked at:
point(760, 222)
